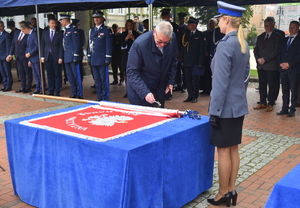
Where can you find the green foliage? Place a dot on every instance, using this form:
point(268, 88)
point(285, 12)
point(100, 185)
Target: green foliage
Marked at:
point(67, 13)
point(252, 34)
point(204, 13)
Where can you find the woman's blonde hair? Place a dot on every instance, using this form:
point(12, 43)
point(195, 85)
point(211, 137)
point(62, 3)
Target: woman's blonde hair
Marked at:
point(236, 22)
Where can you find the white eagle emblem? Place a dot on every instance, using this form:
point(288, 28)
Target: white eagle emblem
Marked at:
point(105, 120)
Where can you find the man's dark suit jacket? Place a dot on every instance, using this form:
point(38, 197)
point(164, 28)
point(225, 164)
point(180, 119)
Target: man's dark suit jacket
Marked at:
point(291, 56)
point(18, 49)
point(56, 45)
point(268, 51)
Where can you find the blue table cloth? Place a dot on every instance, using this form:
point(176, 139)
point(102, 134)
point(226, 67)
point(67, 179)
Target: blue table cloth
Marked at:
point(286, 192)
point(165, 166)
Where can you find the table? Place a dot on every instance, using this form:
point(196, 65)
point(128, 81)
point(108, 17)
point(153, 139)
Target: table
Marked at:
point(286, 192)
point(165, 166)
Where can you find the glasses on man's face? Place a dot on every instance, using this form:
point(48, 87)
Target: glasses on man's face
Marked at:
point(162, 42)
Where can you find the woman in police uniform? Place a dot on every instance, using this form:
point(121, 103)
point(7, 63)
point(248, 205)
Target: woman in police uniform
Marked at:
point(228, 104)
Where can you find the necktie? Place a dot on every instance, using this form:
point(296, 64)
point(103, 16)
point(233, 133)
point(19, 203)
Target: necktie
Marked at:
point(97, 28)
point(289, 42)
point(266, 39)
point(20, 38)
point(51, 36)
point(192, 33)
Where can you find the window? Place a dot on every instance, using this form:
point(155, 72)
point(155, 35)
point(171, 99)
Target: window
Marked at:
point(120, 10)
point(111, 11)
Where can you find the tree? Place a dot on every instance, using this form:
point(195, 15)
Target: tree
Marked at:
point(204, 13)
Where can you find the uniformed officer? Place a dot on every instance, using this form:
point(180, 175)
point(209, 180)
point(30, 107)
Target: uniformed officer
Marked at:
point(228, 104)
point(76, 22)
point(192, 57)
point(100, 54)
point(166, 15)
point(71, 44)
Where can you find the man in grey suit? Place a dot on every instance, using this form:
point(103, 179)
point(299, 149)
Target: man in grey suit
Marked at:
point(265, 53)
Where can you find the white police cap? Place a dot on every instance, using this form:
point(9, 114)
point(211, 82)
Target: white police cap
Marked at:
point(229, 9)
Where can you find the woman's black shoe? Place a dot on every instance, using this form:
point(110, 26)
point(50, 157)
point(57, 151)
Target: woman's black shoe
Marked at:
point(233, 195)
point(226, 198)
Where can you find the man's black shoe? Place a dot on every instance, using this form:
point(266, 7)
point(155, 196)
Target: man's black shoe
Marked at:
point(73, 96)
point(291, 114)
point(80, 97)
point(282, 112)
point(188, 100)
point(194, 100)
point(26, 91)
point(20, 90)
point(6, 89)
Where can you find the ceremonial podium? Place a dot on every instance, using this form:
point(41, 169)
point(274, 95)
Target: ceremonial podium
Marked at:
point(164, 166)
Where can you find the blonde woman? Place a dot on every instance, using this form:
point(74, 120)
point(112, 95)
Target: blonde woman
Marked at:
point(228, 104)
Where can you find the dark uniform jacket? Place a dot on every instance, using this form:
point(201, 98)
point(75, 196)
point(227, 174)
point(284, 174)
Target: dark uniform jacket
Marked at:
point(148, 70)
point(268, 51)
point(291, 56)
point(56, 45)
point(193, 49)
point(5, 42)
point(71, 44)
point(100, 45)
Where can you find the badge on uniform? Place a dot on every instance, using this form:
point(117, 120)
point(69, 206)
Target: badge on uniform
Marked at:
point(75, 32)
point(100, 34)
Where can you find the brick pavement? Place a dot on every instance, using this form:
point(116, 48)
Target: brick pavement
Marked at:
point(270, 148)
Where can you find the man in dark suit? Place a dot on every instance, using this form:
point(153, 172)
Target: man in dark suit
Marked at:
point(32, 53)
point(18, 48)
point(265, 53)
point(192, 55)
point(52, 56)
point(5, 70)
point(289, 61)
point(76, 22)
point(116, 53)
point(99, 54)
point(151, 72)
point(71, 44)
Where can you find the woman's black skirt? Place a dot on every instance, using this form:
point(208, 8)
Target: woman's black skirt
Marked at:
point(229, 132)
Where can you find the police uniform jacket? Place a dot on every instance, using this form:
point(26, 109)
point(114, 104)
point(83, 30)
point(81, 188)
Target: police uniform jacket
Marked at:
point(32, 47)
point(230, 69)
point(268, 51)
point(100, 45)
point(71, 44)
point(18, 49)
point(5, 42)
point(149, 70)
point(193, 50)
point(291, 56)
point(56, 45)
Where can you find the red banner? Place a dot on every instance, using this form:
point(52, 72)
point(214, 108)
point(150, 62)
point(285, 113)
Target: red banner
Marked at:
point(97, 123)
